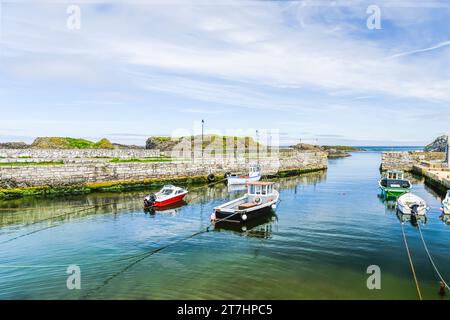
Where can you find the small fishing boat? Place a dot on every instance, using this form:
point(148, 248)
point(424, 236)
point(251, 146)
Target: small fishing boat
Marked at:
point(393, 184)
point(260, 199)
point(254, 174)
point(412, 205)
point(446, 203)
point(168, 195)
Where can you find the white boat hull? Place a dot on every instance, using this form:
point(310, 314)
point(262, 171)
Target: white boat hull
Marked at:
point(446, 209)
point(406, 203)
point(242, 180)
point(446, 204)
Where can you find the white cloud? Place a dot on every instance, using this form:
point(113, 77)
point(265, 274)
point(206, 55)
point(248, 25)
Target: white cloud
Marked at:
point(437, 46)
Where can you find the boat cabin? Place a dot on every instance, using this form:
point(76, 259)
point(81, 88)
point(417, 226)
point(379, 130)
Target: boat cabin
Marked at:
point(254, 170)
point(260, 190)
point(395, 179)
point(394, 175)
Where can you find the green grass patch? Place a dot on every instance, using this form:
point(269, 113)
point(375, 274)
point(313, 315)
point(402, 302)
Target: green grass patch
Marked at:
point(148, 159)
point(342, 148)
point(24, 157)
point(27, 163)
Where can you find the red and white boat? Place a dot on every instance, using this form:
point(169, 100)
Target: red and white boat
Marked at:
point(166, 196)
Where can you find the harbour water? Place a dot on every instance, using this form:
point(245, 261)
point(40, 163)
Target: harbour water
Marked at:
point(329, 227)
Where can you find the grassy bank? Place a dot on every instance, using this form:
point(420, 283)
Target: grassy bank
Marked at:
point(126, 185)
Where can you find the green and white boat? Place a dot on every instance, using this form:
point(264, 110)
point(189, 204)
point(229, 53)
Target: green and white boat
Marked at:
point(393, 184)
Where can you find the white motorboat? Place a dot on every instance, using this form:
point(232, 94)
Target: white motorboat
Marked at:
point(446, 203)
point(254, 175)
point(411, 204)
point(260, 199)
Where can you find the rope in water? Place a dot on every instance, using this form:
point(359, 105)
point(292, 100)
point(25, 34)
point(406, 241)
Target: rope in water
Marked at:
point(145, 255)
point(411, 263)
point(431, 259)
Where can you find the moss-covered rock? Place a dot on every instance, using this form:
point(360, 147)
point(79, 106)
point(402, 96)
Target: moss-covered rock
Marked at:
point(70, 143)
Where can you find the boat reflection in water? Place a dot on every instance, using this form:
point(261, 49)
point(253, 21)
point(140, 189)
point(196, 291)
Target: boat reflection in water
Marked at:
point(445, 218)
point(413, 219)
point(236, 187)
point(260, 227)
point(390, 204)
point(171, 210)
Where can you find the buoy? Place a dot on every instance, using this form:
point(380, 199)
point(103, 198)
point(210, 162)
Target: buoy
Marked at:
point(211, 177)
point(442, 288)
point(244, 217)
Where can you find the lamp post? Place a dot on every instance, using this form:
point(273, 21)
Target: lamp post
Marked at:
point(203, 127)
point(257, 146)
point(447, 149)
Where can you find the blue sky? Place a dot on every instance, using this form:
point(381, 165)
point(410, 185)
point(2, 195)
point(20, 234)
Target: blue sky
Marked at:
point(310, 69)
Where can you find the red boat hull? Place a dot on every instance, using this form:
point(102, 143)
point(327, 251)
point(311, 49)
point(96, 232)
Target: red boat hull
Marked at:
point(169, 201)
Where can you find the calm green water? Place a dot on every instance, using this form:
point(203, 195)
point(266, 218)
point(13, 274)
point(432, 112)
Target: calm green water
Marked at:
point(327, 230)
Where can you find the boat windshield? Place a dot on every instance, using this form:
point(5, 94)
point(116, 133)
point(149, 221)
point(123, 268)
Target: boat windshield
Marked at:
point(166, 192)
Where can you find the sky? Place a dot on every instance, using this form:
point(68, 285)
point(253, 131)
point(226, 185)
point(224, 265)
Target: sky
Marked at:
point(309, 71)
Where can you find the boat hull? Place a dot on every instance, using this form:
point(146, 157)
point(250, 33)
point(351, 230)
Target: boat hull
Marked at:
point(242, 180)
point(167, 202)
point(411, 204)
point(446, 209)
point(407, 211)
point(238, 217)
point(394, 192)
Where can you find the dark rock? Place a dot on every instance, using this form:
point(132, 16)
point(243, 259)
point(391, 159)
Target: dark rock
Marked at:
point(14, 145)
point(438, 145)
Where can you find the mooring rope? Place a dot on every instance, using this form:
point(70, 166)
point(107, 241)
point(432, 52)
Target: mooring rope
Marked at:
point(431, 259)
point(411, 263)
point(145, 255)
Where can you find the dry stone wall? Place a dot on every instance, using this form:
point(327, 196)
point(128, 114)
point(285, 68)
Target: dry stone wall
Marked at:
point(69, 174)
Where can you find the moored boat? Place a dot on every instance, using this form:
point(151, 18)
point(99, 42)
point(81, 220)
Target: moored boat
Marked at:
point(411, 204)
point(446, 203)
point(393, 184)
point(254, 175)
point(260, 199)
point(168, 195)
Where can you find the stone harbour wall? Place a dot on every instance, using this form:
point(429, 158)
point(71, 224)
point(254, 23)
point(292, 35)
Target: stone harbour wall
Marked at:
point(70, 174)
point(405, 160)
point(61, 154)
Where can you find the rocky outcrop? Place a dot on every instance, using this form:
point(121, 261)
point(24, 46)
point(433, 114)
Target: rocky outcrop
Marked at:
point(332, 151)
point(14, 145)
point(162, 143)
point(127, 146)
point(335, 153)
point(210, 141)
point(69, 143)
point(438, 145)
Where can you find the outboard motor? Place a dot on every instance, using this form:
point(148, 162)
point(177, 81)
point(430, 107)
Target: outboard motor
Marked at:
point(149, 200)
point(414, 215)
